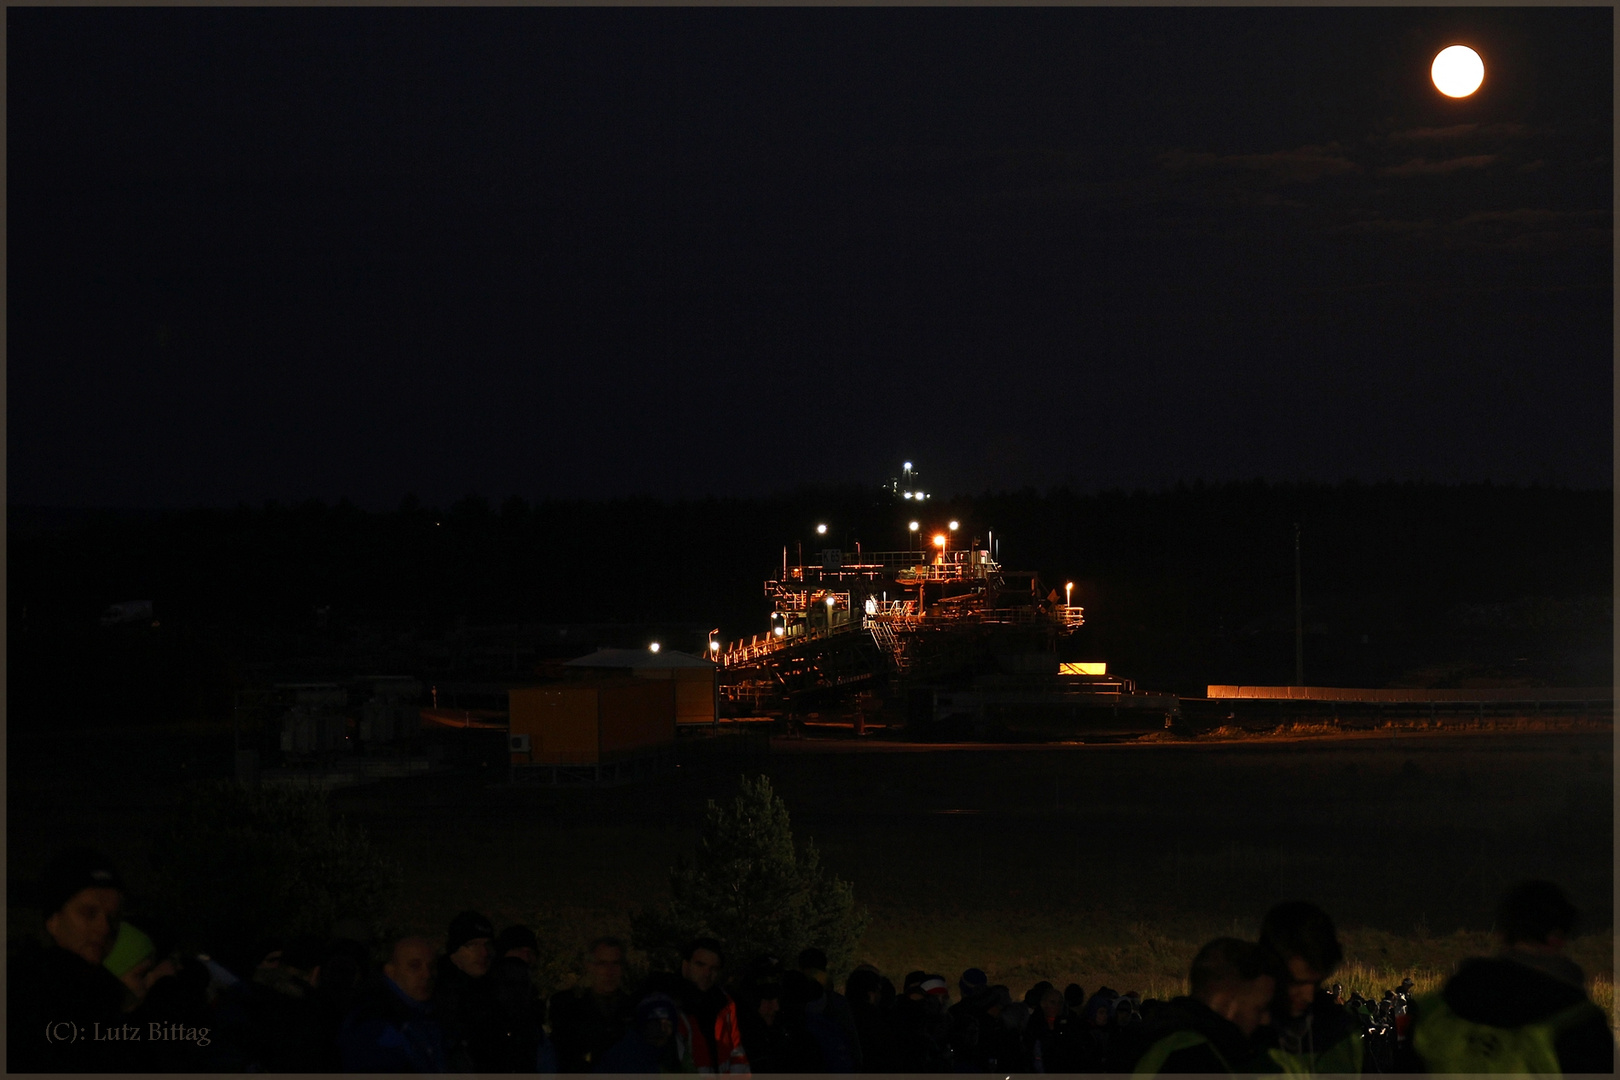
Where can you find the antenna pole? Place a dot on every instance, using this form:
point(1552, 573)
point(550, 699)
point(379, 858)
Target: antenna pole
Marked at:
point(1299, 618)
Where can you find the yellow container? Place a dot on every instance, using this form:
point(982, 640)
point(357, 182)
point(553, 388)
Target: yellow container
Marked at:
point(593, 722)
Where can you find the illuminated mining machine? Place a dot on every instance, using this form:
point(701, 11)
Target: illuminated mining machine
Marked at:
point(843, 622)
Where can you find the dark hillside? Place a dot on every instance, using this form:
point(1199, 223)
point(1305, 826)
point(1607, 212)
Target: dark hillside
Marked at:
point(1405, 583)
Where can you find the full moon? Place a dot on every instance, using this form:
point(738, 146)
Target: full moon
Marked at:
point(1457, 71)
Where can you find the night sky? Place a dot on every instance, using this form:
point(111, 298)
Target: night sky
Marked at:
point(298, 253)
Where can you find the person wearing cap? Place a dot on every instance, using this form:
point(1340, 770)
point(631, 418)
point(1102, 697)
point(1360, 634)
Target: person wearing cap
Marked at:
point(592, 1015)
point(58, 984)
point(836, 1008)
point(464, 965)
point(1309, 1031)
point(1211, 1029)
point(920, 1025)
point(1524, 1010)
point(717, 1047)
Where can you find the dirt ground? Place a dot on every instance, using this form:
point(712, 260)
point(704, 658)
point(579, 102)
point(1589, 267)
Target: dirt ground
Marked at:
point(961, 850)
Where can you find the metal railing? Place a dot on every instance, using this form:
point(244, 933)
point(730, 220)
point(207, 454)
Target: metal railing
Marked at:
point(893, 618)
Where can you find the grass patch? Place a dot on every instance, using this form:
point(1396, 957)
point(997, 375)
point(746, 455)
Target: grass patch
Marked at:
point(1304, 729)
point(1024, 948)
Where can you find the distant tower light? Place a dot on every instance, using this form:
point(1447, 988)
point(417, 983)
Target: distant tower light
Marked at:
point(908, 466)
point(821, 530)
point(955, 525)
point(654, 646)
point(908, 494)
point(714, 646)
point(912, 526)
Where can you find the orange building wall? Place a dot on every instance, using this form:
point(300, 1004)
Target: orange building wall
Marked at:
point(694, 696)
point(587, 724)
point(561, 723)
point(637, 717)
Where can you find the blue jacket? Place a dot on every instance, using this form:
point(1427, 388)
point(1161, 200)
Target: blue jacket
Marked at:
point(389, 1032)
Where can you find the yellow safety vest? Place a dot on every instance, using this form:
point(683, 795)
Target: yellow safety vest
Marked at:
point(1154, 1059)
point(1447, 1043)
point(1344, 1056)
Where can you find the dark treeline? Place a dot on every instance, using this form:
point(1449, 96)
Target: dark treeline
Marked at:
point(1182, 586)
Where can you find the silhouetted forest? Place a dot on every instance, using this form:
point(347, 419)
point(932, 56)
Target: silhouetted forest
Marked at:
point(1406, 584)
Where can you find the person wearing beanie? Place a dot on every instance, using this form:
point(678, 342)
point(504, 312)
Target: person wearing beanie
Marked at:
point(505, 1013)
point(61, 979)
point(467, 945)
point(466, 961)
point(978, 1038)
point(84, 898)
point(813, 962)
point(973, 982)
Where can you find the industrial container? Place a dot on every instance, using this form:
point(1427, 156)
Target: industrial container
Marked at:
point(695, 679)
point(592, 723)
point(694, 695)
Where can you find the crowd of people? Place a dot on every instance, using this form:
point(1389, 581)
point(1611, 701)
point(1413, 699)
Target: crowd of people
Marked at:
point(96, 994)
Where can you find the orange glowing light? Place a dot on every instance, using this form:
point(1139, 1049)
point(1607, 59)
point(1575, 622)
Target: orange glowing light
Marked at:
point(939, 540)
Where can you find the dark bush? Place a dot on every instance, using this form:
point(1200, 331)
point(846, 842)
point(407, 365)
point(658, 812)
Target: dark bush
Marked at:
point(275, 862)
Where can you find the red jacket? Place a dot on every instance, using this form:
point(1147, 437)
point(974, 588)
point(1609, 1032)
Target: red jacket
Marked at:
point(729, 1056)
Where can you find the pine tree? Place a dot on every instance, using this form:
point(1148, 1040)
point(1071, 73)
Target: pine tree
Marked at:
point(752, 887)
